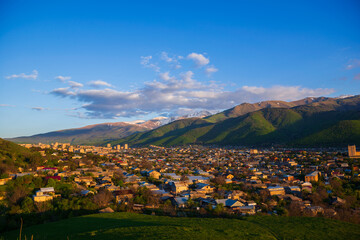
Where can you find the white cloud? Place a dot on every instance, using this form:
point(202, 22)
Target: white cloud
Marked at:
point(72, 84)
point(173, 61)
point(145, 61)
point(211, 70)
point(63, 78)
point(99, 83)
point(283, 92)
point(354, 63)
point(38, 108)
point(188, 76)
point(199, 59)
point(75, 84)
point(165, 76)
point(165, 57)
point(6, 105)
point(62, 92)
point(33, 75)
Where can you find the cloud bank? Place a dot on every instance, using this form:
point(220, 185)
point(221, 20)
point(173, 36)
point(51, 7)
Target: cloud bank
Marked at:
point(171, 95)
point(172, 91)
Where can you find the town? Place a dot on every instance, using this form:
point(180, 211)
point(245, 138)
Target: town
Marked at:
point(193, 180)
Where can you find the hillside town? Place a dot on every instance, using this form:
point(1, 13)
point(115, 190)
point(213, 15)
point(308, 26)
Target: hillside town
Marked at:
point(195, 180)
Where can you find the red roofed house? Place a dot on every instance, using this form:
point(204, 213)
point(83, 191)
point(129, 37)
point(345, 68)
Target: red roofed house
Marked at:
point(54, 177)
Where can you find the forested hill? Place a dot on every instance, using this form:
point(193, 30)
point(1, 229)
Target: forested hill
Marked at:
point(13, 156)
point(329, 122)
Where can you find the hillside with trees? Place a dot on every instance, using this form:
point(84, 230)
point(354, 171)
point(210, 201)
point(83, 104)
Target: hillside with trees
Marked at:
point(14, 156)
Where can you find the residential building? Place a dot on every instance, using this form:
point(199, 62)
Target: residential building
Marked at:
point(276, 190)
point(352, 152)
point(44, 194)
point(312, 177)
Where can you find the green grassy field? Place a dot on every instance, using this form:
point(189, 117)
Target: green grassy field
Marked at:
point(139, 226)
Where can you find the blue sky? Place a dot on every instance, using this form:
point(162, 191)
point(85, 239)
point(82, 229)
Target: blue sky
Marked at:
point(66, 64)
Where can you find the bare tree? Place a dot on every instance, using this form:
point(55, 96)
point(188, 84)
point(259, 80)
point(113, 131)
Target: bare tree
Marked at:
point(264, 195)
point(103, 197)
point(184, 178)
point(146, 164)
point(220, 180)
point(295, 209)
point(118, 176)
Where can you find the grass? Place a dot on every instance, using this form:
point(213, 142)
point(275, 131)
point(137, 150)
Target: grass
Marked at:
point(139, 226)
point(307, 227)
point(2, 188)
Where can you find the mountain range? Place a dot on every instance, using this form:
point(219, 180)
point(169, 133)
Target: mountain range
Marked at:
point(92, 134)
point(104, 132)
point(308, 122)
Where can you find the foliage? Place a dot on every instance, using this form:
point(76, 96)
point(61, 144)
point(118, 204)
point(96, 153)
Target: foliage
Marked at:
point(144, 196)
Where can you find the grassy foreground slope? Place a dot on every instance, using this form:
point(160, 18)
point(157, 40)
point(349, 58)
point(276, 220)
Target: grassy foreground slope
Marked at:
point(139, 226)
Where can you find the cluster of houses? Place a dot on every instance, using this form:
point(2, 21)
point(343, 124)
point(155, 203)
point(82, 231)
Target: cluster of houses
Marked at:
point(208, 176)
point(102, 151)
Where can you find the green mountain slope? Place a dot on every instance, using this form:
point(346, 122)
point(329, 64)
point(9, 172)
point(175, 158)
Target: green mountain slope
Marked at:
point(330, 122)
point(245, 108)
point(251, 128)
point(140, 226)
point(342, 133)
point(166, 133)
